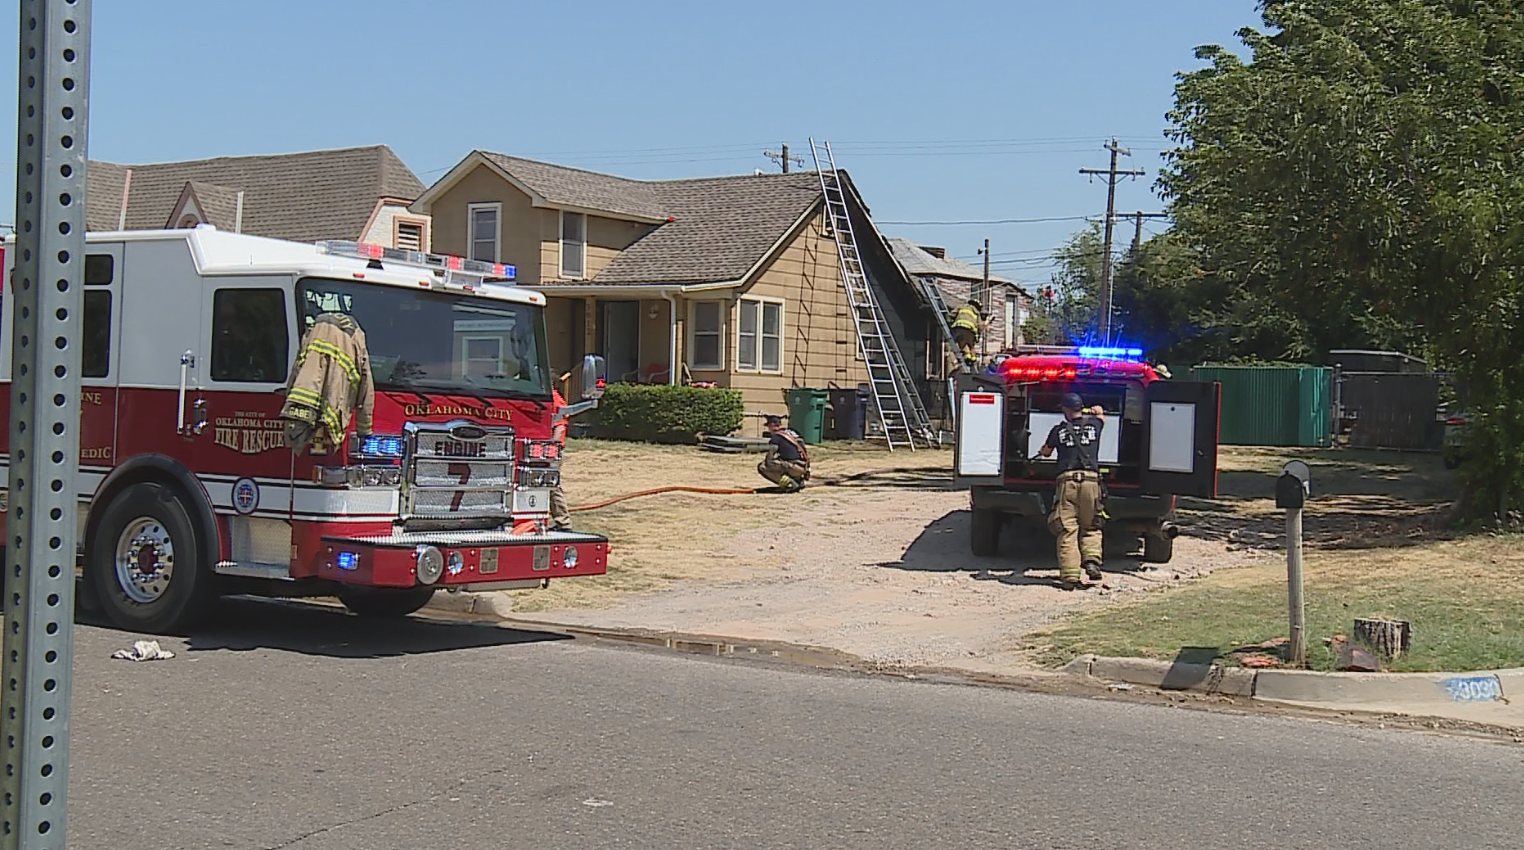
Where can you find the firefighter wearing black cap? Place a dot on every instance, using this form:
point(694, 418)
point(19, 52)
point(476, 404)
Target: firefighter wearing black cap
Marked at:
point(1078, 509)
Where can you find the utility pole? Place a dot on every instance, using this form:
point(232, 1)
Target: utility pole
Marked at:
point(984, 305)
point(45, 406)
point(1111, 174)
point(1137, 236)
point(784, 158)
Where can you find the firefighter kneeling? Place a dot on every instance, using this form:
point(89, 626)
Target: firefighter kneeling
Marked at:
point(788, 462)
point(1079, 503)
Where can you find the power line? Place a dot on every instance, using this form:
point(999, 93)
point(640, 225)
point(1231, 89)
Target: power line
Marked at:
point(970, 222)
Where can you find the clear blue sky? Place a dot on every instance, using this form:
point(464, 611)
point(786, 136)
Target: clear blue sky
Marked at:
point(953, 110)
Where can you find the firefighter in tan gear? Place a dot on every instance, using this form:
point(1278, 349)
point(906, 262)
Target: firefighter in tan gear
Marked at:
point(560, 515)
point(330, 379)
point(788, 462)
point(1078, 503)
point(967, 323)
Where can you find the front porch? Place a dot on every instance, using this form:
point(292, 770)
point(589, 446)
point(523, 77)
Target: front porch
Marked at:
point(635, 334)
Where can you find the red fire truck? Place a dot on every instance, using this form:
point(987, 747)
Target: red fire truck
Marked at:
point(1160, 442)
point(188, 490)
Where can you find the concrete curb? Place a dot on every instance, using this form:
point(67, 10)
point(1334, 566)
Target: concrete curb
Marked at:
point(475, 604)
point(1416, 691)
point(1166, 675)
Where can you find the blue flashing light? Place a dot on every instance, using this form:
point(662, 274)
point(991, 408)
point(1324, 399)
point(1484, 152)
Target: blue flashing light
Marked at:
point(1110, 353)
point(381, 445)
point(349, 560)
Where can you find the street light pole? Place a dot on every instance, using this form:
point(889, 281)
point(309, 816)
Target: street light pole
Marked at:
point(46, 299)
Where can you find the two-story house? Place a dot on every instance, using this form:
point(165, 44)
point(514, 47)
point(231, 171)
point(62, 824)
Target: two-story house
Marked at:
point(734, 281)
point(359, 194)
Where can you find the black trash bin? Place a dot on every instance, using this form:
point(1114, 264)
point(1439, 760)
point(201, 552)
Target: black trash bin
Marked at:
point(849, 414)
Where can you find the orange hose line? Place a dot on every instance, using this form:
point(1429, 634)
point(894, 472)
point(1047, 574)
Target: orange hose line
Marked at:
point(739, 491)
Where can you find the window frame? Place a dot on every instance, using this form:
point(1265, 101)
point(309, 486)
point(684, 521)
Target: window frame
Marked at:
point(497, 232)
point(580, 274)
point(466, 359)
point(423, 232)
point(288, 308)
point(719, 333)
point(760, 303)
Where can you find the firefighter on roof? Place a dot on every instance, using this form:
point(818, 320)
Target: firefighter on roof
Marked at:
point(967, 323)
point(1078, 508)
point(330, 380)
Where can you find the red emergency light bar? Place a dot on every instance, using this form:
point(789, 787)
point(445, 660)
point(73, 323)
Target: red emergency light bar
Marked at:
point(1015, 370)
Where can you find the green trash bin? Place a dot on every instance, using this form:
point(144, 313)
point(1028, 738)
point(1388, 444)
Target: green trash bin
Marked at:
point(806, 413)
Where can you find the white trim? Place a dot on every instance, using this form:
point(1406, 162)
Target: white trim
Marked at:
point(692, 334)
point(761, 301)
point(497, 237)
point(465, 350)
point(561, 247)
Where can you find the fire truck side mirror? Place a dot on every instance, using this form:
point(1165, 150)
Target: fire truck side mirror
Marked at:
point(593, 377)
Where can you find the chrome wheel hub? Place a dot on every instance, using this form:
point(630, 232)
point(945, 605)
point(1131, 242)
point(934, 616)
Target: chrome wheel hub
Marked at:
point(145, 560)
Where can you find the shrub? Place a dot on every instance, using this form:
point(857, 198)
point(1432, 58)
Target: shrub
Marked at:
point(660, 413)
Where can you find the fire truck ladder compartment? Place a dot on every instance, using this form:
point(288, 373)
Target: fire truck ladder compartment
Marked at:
point(900, 414)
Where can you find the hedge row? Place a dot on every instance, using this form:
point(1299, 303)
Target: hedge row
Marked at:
point(661, 413)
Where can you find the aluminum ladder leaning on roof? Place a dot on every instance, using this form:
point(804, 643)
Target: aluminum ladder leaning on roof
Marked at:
point(900, 413)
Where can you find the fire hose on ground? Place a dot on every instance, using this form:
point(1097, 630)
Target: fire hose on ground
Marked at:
point(746, 491)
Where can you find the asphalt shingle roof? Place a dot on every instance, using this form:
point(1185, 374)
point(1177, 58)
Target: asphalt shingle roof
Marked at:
point(720, 227)
point(303, 197)
point(218, 202)
point(922, 263)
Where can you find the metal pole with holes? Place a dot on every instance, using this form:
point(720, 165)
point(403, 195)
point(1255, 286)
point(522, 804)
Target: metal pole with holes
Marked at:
point(45, 407)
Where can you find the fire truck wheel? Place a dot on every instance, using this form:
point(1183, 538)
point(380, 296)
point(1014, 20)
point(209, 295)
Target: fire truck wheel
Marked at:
point(984, 531)
point(380, 604)
point(1158, 549)
point(144, 565)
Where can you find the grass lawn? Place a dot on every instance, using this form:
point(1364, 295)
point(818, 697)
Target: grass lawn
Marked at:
point(1465, 599)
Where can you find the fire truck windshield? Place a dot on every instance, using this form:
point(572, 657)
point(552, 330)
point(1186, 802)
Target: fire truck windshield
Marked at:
point(438, 342)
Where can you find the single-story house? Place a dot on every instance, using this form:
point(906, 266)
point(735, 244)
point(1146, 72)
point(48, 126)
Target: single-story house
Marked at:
point(359, 194)
point(732, 281)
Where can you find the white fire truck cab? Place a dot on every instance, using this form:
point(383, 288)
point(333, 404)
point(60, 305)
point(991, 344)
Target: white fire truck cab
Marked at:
point(1159, 442)
point(187, 489)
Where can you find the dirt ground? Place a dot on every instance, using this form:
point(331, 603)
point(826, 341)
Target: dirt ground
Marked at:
point(879, 567)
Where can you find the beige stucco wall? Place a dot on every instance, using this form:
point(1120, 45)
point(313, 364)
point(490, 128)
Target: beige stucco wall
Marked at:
point(383, 228)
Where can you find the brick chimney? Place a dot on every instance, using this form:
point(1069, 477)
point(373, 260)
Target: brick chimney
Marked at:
point(939, 253)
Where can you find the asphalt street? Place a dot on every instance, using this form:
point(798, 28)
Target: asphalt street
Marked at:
point(291, 727)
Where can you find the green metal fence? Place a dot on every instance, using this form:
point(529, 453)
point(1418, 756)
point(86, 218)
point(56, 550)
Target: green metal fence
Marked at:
point(1273, 405)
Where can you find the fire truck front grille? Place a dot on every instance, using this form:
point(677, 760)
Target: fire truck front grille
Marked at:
point(459, 470)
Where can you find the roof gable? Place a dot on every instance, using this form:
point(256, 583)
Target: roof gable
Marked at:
point(303, 197)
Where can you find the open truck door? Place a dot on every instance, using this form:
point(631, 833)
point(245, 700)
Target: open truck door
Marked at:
point(979, 454)
point(1180, 438)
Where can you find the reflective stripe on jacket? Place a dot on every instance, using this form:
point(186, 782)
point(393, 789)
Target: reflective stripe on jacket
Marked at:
point(331, 379)
point(966, 317)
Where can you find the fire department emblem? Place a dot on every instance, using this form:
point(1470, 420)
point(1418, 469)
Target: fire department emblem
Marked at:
point(245, 495)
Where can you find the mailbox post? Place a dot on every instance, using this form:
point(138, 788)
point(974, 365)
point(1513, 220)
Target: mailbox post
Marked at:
point(1291, 492)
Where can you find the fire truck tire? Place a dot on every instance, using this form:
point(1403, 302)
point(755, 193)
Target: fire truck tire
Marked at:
point(984, 528)
point(378, 604)
point(1158, 549)
point(145, 568)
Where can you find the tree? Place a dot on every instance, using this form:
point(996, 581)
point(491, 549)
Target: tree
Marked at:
point(1362, 176)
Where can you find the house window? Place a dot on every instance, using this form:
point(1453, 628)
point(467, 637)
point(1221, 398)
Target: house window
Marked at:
point(410, 235)
point(485, 231)
point(482, 356)
point(249, 336)
point(707, 322)
point(759, 339)
point(573, 245)
point(95, 353)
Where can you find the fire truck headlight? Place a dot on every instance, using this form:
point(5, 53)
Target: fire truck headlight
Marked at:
point(431, 563)
point(457, 564)
point(570, 558)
